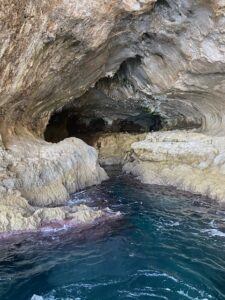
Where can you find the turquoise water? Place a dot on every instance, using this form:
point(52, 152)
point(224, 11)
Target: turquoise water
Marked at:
point(168, 245)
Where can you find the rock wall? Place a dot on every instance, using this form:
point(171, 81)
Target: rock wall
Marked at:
point(188, 160)
point(178, 70)
point(115, 148)
point(53, 51)
point(165, 55)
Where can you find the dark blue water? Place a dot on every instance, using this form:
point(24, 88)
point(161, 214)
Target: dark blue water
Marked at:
point(168, 245)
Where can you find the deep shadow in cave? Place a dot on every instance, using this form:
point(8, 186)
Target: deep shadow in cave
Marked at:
point(69, 123)
point(96, 113)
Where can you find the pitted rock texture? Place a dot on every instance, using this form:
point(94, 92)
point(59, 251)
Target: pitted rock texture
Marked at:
point(17, 216)
point(36, 180)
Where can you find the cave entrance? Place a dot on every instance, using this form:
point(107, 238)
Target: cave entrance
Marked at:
point(70, 123)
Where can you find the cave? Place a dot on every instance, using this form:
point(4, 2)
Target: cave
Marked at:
point(105, 70)
point(112, 161)
point(69, 123)
point(105, 108)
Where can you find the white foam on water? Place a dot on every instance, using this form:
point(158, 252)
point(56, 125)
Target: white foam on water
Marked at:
point(148, 273)
point(70, 288)
point(212, 224)
point(182, 293)
point(202, 294)
point(136, 295)
point(36, 297)
point(214, 232)
point(175, 224)
point(163, 224)
point(51, 229)
point(89, 285)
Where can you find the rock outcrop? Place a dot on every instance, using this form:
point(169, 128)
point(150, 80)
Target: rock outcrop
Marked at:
point(47, 173)
point(36, 179)
point(188, 160)
point(17, 216)
point(115, 148)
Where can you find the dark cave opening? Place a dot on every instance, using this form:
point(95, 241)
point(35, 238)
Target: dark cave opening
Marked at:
point(70, 123)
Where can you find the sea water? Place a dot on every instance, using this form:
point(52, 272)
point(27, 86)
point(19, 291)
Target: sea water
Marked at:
point(167, 245)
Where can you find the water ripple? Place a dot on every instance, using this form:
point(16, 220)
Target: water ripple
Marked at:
point(169, 245)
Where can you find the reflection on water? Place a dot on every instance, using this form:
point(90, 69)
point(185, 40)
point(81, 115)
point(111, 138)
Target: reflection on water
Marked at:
point(168, 245)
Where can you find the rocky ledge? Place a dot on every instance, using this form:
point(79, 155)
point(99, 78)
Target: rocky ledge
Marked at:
point(20, 217)
point(188, 160)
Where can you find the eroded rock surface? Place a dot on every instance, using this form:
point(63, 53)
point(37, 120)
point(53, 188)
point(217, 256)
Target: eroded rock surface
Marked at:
point(115, 148)
point(17, 216)
point(53, 51)
point(178, 69)
point(167, 56)
point(188, 160)
point(37, 176)
point(47, 173)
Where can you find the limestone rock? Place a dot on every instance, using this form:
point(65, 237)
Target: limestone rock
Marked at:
point(114, 148)
point(185, 159)
point(38, 174)
point(47, 173)
point(50, 53)
point(17, 215)
point(53, 51)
